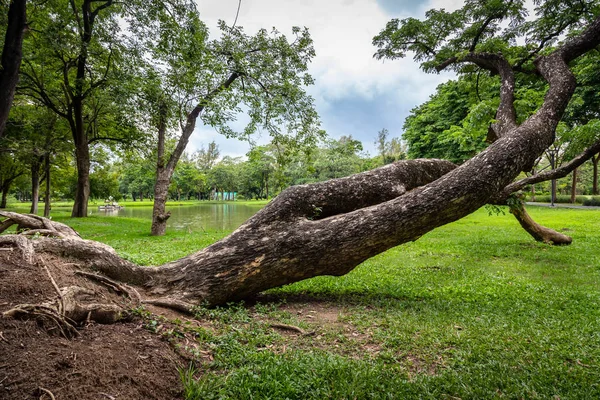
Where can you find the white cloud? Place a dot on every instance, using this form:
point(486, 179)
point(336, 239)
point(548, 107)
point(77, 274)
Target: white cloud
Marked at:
point(344, 67)
point(448, 5)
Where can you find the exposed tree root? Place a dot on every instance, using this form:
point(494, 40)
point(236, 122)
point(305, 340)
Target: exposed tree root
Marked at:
point(46, 315)
point(174, 304)
point(79, 312)
point(292, 328)
point(74, 305)
point(122, 289)
point(23, 246)
point(30, 224)
point(46, 391)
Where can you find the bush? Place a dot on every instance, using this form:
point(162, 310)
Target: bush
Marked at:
point(592, 201)
point(559, 199)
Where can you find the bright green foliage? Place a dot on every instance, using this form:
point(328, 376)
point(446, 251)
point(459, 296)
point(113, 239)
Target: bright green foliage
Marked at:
point(483, 26)
point(49, 73)
point(337, 159)
point(188, 181)
point(104, 183)
point(268, 73)
point(33, 134)
point(206, 158)
point(442, 35)
point(137, 176)
point(257, 176)
point(223, 177)
point(454, 123)
point(389, 151)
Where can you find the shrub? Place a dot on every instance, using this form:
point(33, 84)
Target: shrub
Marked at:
point(562, 198)
point(592, 201)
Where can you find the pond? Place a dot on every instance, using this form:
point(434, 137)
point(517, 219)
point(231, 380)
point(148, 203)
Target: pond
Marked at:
point(210, 216)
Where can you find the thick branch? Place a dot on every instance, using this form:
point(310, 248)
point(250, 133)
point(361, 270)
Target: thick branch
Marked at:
point(278, 246)
point(343, 195)
point(193, 116)
point(557, 173)
point(582, 43)
point(32, 221)
point(538, 232)
point(497, 64)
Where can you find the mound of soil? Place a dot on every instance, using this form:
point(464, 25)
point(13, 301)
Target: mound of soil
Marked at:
point(118, 361)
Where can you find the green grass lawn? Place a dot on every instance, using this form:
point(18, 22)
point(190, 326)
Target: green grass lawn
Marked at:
point(67, 205)
point(473, 310)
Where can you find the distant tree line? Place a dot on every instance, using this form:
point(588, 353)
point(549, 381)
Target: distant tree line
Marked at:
point(205, 175)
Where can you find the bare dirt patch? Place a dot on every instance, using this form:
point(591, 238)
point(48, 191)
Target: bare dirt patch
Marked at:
point(332, 332)
point(117, 361)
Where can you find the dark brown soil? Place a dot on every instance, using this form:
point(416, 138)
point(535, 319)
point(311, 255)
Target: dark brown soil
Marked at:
point(118, 361)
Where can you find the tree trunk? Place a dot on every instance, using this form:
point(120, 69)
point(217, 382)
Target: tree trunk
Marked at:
point(12, 53)
point(165, 169)
point(329, 228)
point(267, 186)
point(553, 181)
point(82, 193)
point(595, 183)
point(78, 128)
point(164, 172)
point(574, 187)
point(47, 192)
point(5, 185)
point(35, 184)
point(4, 196)
point(159, 216)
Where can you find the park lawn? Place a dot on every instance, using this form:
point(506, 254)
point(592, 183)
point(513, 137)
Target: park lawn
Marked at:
point(475, 309)
point(68, 205)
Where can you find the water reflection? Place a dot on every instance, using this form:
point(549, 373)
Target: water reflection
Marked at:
point(225, 216)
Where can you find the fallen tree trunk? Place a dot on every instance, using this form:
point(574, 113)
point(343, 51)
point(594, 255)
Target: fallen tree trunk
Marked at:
point(329, 228)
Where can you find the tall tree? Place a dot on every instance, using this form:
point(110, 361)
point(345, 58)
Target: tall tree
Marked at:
point(69, 63)
point(210, 80)
point(206, 158)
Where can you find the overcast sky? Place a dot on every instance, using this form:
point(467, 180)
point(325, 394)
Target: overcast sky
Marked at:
point(355, 94)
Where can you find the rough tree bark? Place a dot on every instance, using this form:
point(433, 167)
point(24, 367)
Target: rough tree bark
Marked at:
point(76, 117)
point(164, 172)
point(12, 53)
point(329, 228)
